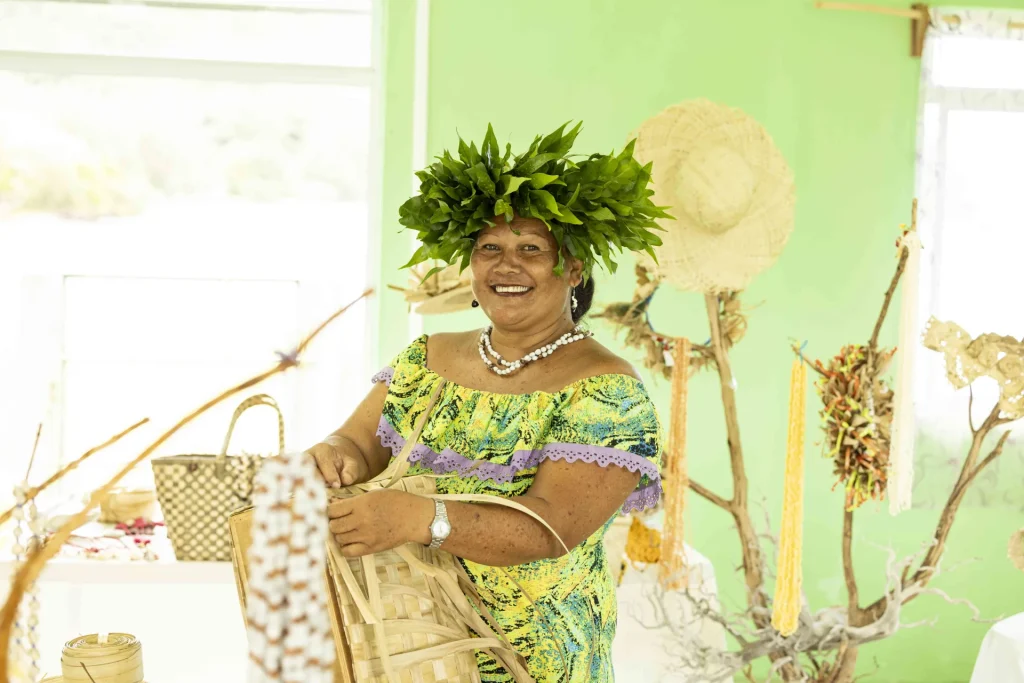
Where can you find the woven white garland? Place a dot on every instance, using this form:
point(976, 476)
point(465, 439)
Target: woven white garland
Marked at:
point(289, 629)
point(24, 647)
point(901, 446)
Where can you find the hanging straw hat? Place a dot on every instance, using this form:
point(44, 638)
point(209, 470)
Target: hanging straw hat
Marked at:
point(446, 291)
point(729, 188)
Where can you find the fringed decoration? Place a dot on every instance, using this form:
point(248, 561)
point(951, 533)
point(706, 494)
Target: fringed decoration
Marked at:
point(787, 603)
point(901, 448)
point(673, 573)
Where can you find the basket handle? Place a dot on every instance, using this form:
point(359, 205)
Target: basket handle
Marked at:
point(252, 401)
point(400, 465)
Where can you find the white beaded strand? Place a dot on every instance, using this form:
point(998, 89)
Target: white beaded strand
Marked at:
point(508, 367)
point(289, 631)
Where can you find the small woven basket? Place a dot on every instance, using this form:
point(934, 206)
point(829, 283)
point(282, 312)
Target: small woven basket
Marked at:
point(198, 492)
point(124, 506)
point(117, 658)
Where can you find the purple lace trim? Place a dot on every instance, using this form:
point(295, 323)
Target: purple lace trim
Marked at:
point(448, 462)
point(385, 376)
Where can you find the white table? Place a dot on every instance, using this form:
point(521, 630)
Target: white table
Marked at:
point(186, 614)
point(1001, 658)
point(642, 654)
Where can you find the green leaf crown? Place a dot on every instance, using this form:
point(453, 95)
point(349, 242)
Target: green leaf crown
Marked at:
point(591, 207)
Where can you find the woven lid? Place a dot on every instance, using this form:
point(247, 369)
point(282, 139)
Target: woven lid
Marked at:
point(446, 291)
point(729, 188)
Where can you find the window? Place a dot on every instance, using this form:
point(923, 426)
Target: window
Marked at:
point(971, 170)
point(184, 190)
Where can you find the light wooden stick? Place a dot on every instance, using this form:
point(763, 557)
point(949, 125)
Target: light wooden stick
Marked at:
point(33, 565)
point(36, 490)
point(873, 9)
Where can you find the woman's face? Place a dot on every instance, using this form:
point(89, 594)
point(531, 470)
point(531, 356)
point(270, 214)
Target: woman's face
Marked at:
point(513, 275)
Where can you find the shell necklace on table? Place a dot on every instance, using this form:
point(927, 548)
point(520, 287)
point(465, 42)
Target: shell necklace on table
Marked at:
point(508, 367)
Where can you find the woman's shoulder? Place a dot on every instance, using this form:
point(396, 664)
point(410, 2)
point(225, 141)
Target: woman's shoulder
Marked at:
point(596, 361)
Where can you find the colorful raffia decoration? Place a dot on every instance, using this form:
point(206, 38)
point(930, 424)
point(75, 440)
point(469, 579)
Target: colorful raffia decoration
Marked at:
point(673, 574)
point(857, 415)
point(632, 316)
point(787, 603)
point(901, 449)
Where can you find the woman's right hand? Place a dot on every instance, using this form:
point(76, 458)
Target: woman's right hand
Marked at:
point(339, 462)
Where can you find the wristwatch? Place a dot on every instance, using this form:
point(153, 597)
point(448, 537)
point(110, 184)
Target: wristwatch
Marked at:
point(440, 528)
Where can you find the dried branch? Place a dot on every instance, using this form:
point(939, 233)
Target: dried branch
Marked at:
point(710, 495)
point(34, 563)
point(36, 490)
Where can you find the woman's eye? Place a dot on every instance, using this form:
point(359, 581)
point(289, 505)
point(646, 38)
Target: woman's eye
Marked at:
point(531, 247)
point(490, 247)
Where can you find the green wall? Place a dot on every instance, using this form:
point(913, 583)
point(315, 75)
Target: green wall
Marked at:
point(838, 92)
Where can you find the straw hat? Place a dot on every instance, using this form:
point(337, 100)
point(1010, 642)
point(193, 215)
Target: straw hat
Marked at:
point(446, 291)
point(728, 187)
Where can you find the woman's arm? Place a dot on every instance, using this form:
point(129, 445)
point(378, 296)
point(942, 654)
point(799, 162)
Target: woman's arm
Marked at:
point(353, 453)
point(576, 499)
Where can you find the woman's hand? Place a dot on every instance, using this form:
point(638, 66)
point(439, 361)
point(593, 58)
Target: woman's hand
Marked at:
point(379, 520)
point(340, 462)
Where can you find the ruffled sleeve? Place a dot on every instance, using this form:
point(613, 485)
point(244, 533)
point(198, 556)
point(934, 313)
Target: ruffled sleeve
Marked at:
point(414, 355)
point(611, 420)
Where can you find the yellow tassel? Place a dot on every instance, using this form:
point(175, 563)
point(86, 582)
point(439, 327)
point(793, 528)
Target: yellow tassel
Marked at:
point(786, 607)
point(673, 573)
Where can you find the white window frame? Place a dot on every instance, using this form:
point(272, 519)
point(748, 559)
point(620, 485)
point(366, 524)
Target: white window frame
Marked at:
point(313, 292)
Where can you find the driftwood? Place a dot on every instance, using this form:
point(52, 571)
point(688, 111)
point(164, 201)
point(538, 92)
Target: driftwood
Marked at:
point(824, 648)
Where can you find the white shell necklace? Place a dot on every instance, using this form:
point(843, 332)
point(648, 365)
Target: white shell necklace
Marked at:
point(508, 367)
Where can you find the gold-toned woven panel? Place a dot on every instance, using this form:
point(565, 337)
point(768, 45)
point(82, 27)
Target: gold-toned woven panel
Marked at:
point(416, 614)
point(196, 502)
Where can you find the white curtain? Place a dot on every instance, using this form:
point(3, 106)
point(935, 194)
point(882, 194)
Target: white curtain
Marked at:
point(970, 185)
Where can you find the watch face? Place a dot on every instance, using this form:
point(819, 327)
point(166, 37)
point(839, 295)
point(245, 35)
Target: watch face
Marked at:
point(440, 528)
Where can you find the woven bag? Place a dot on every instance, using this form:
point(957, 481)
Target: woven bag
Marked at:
point(407, 615)
point(197, 493)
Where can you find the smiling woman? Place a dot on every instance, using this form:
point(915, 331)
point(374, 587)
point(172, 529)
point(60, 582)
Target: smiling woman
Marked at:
point(531, 408)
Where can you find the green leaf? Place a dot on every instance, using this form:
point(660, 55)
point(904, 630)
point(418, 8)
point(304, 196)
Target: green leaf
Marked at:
point(490, 150)
point(511, 183)
point(568, 216)
point(539, 180)
point(501, 207)
point(534, 164)
point(619, 208)
point(478, 172)
point(602, 214)
point(546, 200)
point(421, 255)
point(552, 139)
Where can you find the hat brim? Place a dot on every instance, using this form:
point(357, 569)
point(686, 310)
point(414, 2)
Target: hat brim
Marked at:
point(452, 301)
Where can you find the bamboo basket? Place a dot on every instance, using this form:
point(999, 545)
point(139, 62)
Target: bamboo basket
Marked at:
point(407, 615)
point(118, 660)
point(124, 506)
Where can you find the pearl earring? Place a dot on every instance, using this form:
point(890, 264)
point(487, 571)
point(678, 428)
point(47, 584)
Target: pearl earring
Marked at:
point(575, 304)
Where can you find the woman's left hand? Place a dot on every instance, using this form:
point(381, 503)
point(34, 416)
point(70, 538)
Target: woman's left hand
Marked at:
point(379, 520)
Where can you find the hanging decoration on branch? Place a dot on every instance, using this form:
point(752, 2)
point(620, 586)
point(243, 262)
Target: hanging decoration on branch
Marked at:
point(989, 355)
point(632, 316)
point(857, 414)
point(673, 571)
point(787, 603)
point(901, 458)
